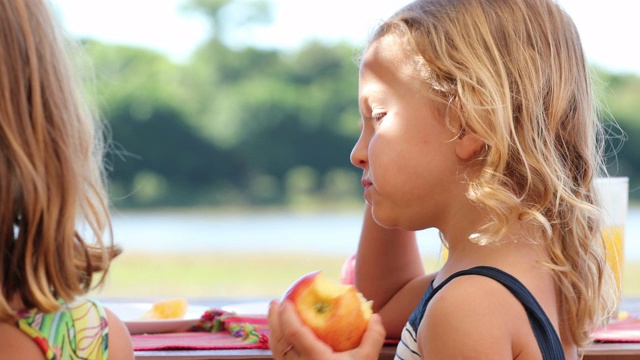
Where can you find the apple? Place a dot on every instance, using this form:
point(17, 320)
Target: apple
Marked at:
point(337, 313)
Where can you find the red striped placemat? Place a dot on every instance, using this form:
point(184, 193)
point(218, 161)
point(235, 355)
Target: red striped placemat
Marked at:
point(627, 330)
point(216, 329)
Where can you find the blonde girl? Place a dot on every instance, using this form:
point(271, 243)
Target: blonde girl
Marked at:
point(477, 119)
point(53, 213)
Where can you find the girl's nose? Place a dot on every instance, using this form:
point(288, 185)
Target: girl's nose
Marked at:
point(359, 153)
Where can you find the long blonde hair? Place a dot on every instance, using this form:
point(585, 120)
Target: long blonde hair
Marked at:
point(516, 72)
point(54, 217)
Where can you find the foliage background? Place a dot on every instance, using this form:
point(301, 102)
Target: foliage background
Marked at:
point(254, 127)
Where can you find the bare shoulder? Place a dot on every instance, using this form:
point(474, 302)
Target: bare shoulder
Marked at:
point(120, 347)
point(396, 312)
point(14, 344)
point(471, 317)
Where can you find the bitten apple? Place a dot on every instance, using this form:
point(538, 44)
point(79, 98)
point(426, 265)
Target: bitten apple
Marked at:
point(338, 314)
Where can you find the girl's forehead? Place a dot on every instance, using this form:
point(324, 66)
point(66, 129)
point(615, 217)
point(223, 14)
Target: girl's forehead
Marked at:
point(387, 50)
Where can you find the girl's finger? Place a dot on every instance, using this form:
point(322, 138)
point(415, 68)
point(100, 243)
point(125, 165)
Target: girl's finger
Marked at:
point(304, 341)
point(277, 343)
point(373, 339)
point(273, 316)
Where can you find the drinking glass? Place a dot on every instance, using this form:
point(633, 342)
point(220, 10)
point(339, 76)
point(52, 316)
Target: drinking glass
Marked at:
point(613, 193)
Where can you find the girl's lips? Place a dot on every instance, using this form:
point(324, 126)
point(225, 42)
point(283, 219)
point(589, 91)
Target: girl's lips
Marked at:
point(366, 184)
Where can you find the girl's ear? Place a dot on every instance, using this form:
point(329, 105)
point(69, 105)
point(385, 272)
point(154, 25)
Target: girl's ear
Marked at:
point(468, 144)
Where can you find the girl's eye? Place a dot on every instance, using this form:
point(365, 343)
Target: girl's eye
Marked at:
point(378, 117)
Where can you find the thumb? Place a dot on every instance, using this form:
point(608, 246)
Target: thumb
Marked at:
point(373, 339)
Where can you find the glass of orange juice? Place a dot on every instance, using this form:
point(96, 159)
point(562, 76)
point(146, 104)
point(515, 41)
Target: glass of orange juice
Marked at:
point(613, 193)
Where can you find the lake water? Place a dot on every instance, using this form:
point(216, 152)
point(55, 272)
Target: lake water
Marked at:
point(332, 233)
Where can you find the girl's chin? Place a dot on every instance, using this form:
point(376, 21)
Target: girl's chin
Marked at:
point(394, 218)
point(381, 218)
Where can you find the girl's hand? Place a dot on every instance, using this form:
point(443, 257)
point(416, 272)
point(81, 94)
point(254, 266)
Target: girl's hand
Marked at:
point(290, 339)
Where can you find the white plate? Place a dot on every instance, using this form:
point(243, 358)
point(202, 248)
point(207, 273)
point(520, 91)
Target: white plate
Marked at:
point(258, 308)
point(131, 314)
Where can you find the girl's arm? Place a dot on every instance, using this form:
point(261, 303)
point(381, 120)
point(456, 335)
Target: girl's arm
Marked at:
point(389, 271)
point(120, 346)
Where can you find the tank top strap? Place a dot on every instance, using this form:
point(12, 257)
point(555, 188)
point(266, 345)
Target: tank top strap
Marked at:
point(546, 336)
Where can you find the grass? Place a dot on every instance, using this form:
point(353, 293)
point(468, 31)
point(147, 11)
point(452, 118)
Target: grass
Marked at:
point(210, 275)
point(235, 275)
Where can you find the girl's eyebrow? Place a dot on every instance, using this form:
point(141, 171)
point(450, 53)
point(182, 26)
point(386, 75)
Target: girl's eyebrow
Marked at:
point(369, 92)
point(364, 117)
point(363, 103)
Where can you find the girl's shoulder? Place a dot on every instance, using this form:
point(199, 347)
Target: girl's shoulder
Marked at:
point(475, 316)
point(15, 344)
point(120, 345)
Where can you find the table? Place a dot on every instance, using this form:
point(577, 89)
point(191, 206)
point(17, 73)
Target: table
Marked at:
point(618, 351)
point(600, 351)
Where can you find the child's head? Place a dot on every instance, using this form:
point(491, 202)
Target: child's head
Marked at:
point(515, 73)
point(51, 186)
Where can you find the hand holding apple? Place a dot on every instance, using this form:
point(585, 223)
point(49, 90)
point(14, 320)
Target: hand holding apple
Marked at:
point(337, 314)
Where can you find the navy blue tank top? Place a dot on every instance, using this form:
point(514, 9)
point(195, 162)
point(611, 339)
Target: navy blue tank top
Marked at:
point(546, 336)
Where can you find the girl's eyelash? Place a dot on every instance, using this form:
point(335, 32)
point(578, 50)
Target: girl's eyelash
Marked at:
point(377, 117)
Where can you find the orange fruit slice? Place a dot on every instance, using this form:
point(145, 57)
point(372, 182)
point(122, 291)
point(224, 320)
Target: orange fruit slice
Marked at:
point(167, 309)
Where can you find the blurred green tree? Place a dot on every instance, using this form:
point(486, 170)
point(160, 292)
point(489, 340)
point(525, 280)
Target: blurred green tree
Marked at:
point(241, 125)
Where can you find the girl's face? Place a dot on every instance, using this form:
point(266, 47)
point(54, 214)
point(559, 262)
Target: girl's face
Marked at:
point(406, 149)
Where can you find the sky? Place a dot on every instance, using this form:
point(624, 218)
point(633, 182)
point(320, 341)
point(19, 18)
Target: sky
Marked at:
point(609, 29)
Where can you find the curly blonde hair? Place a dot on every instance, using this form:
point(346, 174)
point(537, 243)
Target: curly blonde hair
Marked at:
point(52, 185)
point(516, 72)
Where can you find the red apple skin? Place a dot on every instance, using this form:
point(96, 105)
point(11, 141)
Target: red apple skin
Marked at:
point(337, 320)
